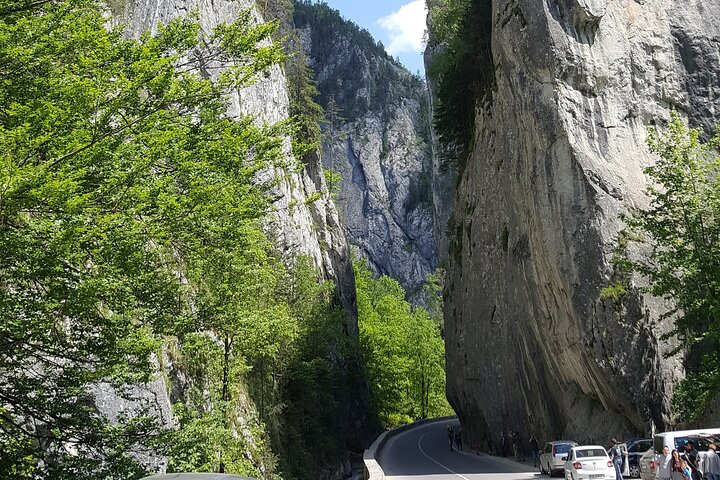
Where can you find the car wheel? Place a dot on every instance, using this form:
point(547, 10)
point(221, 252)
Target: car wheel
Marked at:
point(634, 471)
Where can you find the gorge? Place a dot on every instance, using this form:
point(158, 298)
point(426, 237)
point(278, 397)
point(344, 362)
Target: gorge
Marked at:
point(211, 242)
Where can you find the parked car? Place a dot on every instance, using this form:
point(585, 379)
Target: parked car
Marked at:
point(648, 465)
point(636, 448)
point(588, 462)
point(677, 440)
point(551, 458)
point(195, 476)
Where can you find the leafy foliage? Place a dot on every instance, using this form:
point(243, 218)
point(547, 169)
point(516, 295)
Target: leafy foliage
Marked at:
point(403, 351)
point(119, 169)
point(682, 228)
point(462, 66)
point(323, 354)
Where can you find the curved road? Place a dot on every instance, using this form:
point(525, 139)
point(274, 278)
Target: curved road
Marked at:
point(423, 453)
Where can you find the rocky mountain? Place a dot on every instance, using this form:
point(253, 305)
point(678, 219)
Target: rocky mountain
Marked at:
point(565, 92)
point(376, 143)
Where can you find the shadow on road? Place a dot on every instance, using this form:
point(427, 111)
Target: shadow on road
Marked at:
point(425, 452)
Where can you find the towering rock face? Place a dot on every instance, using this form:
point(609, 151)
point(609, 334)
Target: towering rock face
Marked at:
point(557, 154)
point(377, 140)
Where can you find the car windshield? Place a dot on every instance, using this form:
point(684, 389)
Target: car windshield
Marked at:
point(590, 452)
point(562, 448)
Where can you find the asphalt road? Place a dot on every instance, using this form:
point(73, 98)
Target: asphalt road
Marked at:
point(423, 453)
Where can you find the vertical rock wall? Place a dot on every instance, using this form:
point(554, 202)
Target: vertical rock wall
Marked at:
point(300, 228)
point(558, 152)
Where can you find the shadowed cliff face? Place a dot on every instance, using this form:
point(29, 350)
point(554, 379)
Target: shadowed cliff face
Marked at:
point(558, 152)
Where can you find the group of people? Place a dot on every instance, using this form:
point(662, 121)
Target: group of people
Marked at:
point(688, 464)
point(455, 437)
point(516, 441)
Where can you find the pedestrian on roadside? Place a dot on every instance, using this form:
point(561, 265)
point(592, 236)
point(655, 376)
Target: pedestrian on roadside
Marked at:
point(676, 463)
point(503, 444)
point(616, 454)
point(458, 439)
point(711, 463)
point(664, 465)
point(535, 449)
point(515, 438)
point(687, 473)
point(451, 436)
point(691, 453)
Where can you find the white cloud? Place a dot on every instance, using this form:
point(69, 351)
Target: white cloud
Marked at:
point(406, 28)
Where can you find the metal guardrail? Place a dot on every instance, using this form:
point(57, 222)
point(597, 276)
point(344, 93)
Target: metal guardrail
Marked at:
point(373, 470)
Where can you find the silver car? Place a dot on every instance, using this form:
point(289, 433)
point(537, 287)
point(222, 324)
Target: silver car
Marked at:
point(551, 458)
point(648, 465)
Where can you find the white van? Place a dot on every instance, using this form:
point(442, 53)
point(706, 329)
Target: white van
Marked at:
point(676, 440)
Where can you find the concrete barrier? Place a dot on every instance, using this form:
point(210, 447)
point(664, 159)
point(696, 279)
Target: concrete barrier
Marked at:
point(373, 470)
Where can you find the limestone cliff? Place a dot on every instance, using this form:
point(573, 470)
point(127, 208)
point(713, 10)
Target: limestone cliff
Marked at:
point(558, 148)
point(376, 137)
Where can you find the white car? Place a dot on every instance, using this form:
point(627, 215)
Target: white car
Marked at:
point(551, 459)
point(589, 462)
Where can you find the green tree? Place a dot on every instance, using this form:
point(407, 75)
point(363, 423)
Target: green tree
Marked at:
point(681, 227)
point(403, 352)
point(333, 135)
point(118, 165)
point(462, 68)
point(322, 354)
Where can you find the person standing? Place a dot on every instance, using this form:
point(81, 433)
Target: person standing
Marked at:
point(664, 465)
point(691, 453)
point(535, 449)
point(711, 463)
point(616, 454)
point(451, 436)
point(503, 444)
point(458, 439)
point(676, 466)
point(515, 438)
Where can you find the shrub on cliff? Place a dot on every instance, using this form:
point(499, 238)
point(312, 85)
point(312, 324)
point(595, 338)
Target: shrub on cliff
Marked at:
point(462, 67)
point(682, 228)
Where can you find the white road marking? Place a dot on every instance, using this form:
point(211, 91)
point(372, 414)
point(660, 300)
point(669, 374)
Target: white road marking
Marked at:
point(435, 461)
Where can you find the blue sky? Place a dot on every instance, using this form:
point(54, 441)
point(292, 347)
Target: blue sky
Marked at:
point(399, 24)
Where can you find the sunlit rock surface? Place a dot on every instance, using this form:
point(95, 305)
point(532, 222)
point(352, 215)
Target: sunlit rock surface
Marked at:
point(559, 151)
point(378, 141)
